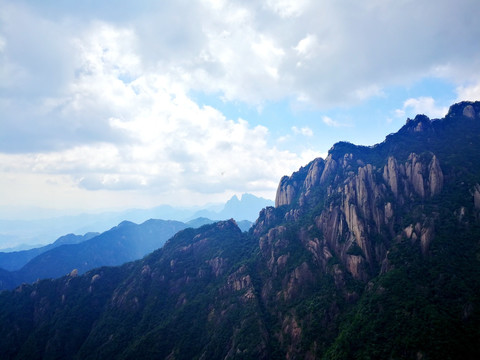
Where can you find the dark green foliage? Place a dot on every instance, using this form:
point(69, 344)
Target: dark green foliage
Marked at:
point(156, 314)
point(426, 307)
point(354, 249)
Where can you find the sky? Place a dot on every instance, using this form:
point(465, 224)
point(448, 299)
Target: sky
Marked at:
point(132, 104)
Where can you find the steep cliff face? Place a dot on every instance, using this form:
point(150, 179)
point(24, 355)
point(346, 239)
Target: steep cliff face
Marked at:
point(362, 200)
point(360, 204)
point(352, 208)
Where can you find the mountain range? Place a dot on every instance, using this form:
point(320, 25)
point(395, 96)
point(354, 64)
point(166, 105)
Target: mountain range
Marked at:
point(125, 242)
point(43, 226)
point(371, 253)
point(15, 260)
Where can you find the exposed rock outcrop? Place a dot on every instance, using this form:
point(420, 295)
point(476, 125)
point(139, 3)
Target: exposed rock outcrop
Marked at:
point(314, 175)
point(435, 177)
point(469, 111)
point(391, 175)
point(414, 171)
point(466, 108)
point(476, 196)
point(285, 192)
point(329, 170)
point(359, 206)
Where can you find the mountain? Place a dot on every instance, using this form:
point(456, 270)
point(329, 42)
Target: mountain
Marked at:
point(244, 225)
point(126, 242)
point(245, 208)
point(15, 260)
point(371, 253)
point(200, 221)
point(44, 225)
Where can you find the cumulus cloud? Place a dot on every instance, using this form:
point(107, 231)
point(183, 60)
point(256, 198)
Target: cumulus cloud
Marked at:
point(421, 105)
point(251, 51)
point(103, 95)
point(288, 8)
point(165, 141)
point(469, 92)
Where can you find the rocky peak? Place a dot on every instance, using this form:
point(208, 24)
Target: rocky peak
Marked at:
point(419, 124)
point(315, 172)
point(266, 220)
point(467, 109)
point(329, 170)
point(362, 202)
point(303, 181)
point(285, 192)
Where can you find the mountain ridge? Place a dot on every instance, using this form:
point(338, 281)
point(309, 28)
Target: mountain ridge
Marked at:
point(40, 230)
point(125, 242)
point(14, 260)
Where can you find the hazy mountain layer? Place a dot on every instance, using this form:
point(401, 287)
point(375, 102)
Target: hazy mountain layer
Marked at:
point(15, 260)
point(125, 242)
point(47, 228)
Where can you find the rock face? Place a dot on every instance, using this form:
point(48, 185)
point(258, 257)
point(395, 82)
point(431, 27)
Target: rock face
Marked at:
point(391, 175)
point(476, 196)
point(435, 177)
point(363, 200)
point(286, 195)
point(360, 204)
point(414, 170)
point(469, 111)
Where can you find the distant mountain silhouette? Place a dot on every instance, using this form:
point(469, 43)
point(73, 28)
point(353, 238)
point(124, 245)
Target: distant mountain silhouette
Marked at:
point(47, 229)
point(12, 261)
point(125, 242)
point(245, 208)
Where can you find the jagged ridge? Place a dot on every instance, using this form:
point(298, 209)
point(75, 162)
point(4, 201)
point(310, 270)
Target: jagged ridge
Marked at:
point(362, 191)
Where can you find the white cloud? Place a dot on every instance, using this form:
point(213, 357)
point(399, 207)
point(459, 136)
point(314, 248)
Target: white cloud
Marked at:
point(469, 92)
point(102, 96)
point(165, 142)
point(309, 155)
point(332, 123)
point(288, 8)
point(421, 105)
point(306, 45)
point(305, 131)
point(400, 113)
point(323, 51)
point(282, 139)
